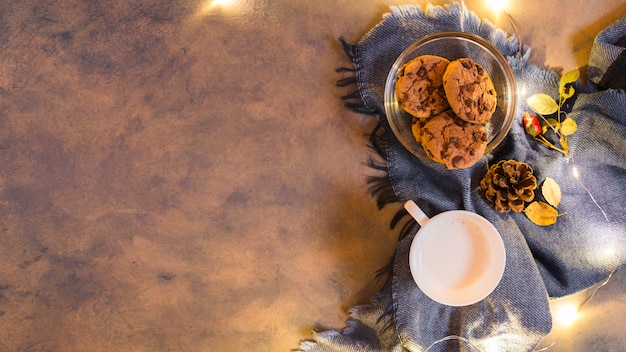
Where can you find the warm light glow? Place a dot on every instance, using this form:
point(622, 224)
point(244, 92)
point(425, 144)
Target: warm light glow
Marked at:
point(522, 91)
point(565, 314)
point(608, 252)
point(575, 172)
point(500, 342)
point(222, 3)
point(497, 5)
point(212, 5)
point(608, 255)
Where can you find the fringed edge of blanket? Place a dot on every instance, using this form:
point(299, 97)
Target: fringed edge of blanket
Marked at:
point(382, 191)
point(352, 100)
point(365, 330)
point(380, 186)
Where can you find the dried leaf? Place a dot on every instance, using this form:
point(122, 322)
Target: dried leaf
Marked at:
point(542, 104)
point(541, 213)
point(554, 123)
point(551, 191)
point(545, 125)
point(570, 77)
point(568, 126)
point(564, 90)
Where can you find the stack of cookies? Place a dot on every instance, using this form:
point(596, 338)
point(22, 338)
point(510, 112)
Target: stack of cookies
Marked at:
point(450, 101)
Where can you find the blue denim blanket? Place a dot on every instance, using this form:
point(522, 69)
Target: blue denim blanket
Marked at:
point(580, 250)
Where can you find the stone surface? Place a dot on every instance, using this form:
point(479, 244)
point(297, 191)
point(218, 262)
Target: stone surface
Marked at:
point(182, 175)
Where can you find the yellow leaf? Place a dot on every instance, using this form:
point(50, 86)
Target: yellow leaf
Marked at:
point(570, 77)
point(554, 123)
point(550, 124)
point(541, 213)
point(568, 126)
point(566, 91)
point(551, 191)
point(542, 104)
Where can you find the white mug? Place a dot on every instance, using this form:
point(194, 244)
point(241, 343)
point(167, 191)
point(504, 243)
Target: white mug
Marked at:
point(457, 257)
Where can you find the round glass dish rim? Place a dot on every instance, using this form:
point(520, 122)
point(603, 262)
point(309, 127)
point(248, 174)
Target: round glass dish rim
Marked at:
point(509, 76)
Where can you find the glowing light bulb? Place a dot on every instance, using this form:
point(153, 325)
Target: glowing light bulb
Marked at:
point(222, 3)
point(575, 172)
point(566, 314)
point(497, 5)
point(211, 5)
point(610, 251)
point(522, 91)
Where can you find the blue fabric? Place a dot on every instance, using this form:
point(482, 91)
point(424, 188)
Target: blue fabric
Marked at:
point(607, 64)
point(581, 249)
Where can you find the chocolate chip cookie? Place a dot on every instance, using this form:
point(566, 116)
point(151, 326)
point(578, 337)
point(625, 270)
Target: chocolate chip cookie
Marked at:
point(469, 90)
point(453, 142)
point(416, 128)
point(419, 86)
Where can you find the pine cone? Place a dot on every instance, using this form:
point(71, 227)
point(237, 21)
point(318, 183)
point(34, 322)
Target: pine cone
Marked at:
point(508, 185)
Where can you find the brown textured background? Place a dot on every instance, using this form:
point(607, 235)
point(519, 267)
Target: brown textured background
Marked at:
point(177, 176)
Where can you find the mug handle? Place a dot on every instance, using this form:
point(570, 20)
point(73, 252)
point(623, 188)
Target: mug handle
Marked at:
point(416, 212)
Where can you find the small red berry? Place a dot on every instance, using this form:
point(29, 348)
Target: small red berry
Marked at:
point(531, 124)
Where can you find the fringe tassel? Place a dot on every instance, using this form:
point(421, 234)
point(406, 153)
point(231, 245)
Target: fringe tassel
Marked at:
point(399, 215)
point(354, 95)
point(345, 69)
point(348, 81)
point(353, 99)
point(378, 141)
point(380, 187)
point(407, 228)
point(372, 164)
point(388, 316)
point(349, 49)
point(386, 272)
point(358, 108)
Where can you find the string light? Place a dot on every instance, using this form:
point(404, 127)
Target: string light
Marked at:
point(228, 6)
point(609, 253)
point(566, 311)
point(575, 172)
point(576, 175)
point(566, 314)
point(498, 5)
point(223, 3)
point(465, 342)
point(522, 91)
